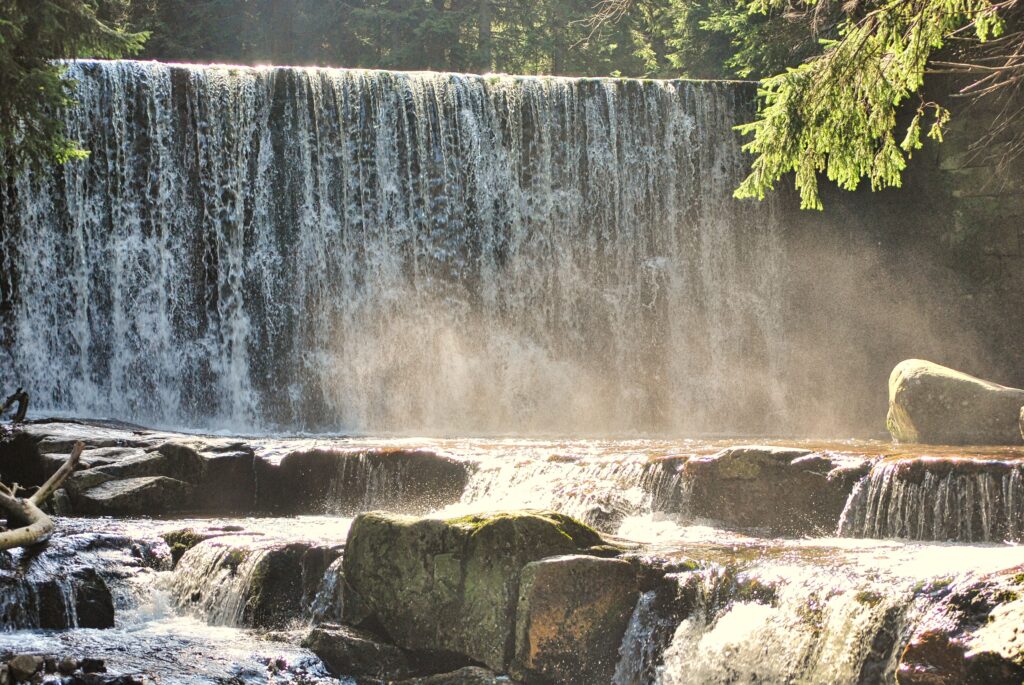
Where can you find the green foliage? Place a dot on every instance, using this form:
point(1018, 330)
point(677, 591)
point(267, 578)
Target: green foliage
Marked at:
point(837, 112)
point(33, 35)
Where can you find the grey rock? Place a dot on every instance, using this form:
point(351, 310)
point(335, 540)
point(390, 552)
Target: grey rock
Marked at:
point(147, 495)
point(24, 666)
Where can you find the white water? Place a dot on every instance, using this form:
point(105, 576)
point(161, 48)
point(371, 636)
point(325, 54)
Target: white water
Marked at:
point(348, 250)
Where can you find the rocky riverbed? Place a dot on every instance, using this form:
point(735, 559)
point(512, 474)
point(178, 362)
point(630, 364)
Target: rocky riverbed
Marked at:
point(667, 562)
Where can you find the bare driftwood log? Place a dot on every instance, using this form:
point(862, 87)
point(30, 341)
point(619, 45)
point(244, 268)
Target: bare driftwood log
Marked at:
point(33, 525)
point(21, 397)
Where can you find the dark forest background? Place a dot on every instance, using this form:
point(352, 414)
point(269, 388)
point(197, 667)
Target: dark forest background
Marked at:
point(655, 38)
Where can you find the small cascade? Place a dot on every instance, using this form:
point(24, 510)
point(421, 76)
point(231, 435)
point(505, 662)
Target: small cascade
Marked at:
point(965, 500)
point(346, 482)
point(216, 579)
point(777, 625)
point(256, 581)
point(368, 481)
point(600, 493)
point(327, 603)
point(76, 580)
point(649, 633)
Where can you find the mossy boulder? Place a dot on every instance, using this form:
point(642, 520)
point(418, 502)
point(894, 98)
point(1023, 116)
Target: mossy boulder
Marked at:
point(572, 614)
point(929, 403)
point(451, 585)
point(184, 539)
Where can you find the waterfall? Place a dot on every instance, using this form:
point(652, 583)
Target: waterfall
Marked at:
point(960, 500)
point(320, 249)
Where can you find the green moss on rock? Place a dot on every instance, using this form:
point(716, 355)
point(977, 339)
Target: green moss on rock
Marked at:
point(181, 541)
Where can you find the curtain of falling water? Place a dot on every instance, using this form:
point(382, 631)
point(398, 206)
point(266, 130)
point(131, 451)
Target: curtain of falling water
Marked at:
point(267, 249)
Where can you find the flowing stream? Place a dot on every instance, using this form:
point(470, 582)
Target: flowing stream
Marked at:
point(738, 606)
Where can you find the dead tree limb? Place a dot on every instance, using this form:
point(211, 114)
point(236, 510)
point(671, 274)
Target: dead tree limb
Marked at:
point(33, 524)
point(21, 397)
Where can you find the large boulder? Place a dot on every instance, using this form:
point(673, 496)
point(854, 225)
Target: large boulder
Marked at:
point(783, 489)
point(972, 635)
point(572, 614)
point(451, 585)
point(929, 403)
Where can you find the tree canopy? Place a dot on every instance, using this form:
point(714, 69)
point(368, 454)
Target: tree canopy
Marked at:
point(33, 35)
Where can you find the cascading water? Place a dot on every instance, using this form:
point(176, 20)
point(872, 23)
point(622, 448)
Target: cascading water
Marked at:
point(330, 249)
point(600, 492)
point(214, 580)
point(810, 628)
point(966, 500)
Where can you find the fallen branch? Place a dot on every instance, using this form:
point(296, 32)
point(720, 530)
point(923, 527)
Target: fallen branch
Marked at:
point(21, 397)
point(33, 524)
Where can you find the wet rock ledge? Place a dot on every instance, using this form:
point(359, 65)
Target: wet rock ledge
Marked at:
point(127, 471)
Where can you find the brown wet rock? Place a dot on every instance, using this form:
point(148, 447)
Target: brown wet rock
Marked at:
point(572, 614)
point(470, 675)
point(350, 652)
point(785, 490)
point(23, 666)
point(972, 636)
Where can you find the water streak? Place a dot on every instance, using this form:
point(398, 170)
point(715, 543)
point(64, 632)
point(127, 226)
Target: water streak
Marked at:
point(959, 501)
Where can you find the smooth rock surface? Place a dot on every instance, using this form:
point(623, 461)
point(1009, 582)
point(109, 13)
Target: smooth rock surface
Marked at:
point(24, 666)
point(451, 585)
point(572, 614)
point(146, 495)
point(350, 652)
point(929, 403)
